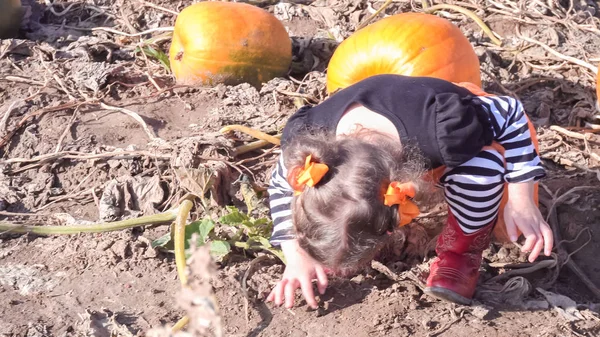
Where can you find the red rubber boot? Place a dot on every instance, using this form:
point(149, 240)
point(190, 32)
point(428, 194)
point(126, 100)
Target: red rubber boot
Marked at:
point(454, 273)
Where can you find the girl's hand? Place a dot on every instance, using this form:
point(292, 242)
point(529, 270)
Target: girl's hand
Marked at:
point(301, 269)
point(521, 212)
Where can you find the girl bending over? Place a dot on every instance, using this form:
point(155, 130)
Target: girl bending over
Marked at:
point(356, 166)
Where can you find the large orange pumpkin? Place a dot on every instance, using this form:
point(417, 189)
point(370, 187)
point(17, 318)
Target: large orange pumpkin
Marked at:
point(228, 42)
point(410, 44)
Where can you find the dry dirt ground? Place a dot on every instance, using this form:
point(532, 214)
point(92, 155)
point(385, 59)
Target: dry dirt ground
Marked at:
point(73, 152)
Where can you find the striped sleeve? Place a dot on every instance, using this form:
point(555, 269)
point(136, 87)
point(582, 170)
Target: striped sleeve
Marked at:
point(280, 200)
point(511, 130)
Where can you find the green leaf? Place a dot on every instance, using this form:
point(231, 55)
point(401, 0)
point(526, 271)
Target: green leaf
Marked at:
point(260, 227)
point(219, 248)
point(234, 217)
point(202, 227)
point(158, 55)
point(252, 240)
point(162, 241)
point(261, 221)
point(264, 241)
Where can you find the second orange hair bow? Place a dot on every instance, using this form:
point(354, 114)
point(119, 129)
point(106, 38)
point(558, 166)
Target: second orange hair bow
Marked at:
point(398, 194)
point(310, 175)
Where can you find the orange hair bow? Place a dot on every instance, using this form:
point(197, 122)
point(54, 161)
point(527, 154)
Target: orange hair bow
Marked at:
point(397, 194)
point(310, 175)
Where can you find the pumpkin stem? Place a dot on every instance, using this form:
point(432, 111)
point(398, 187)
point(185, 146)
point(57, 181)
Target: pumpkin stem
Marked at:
point(167, 216)
point(242, 149)
point(468, 13)
point(252, 132)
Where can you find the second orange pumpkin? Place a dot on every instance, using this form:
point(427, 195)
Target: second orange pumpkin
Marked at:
point(411, 44)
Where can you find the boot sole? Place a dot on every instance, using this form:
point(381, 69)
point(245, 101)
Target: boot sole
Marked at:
point(447, 295)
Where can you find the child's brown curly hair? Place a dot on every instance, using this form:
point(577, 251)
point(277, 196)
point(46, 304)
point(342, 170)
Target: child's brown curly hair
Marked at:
point(342, 221)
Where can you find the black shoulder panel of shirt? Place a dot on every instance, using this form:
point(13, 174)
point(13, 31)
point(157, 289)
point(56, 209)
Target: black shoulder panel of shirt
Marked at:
point(441, 119)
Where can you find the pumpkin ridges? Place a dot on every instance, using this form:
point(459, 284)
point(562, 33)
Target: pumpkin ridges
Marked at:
point(236, 67)
point(230, 72)
point(266, 65)
point(236, 62)
point(439, 66)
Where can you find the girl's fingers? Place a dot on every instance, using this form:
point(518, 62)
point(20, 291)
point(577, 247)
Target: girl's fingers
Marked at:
point(284, 290)
point(548, 238)
point(274, 291)
point(271, 294)
point(278, 291)
point(322, 281)
point(537, 233)
point(307, 291)
point(530, 238)
point(539, 245)
point(290, 289)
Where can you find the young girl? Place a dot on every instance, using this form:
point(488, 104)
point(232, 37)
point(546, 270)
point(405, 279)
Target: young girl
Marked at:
point(355, 167)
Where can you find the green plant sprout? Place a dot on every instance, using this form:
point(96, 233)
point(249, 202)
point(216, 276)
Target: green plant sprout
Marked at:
point(156, 54)
point(248, 234)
